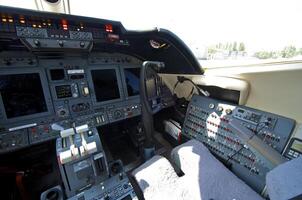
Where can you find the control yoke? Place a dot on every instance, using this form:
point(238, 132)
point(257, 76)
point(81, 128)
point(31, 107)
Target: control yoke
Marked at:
point(150, 100)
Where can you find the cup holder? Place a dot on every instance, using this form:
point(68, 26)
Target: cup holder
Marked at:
point(54, 193)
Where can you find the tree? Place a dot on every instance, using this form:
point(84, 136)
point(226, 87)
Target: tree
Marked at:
point(230, 47)
point(212, 50)
point(289, 52)
point(234, 46)
point(263, 54)
point(220, 45)
point(241, 47)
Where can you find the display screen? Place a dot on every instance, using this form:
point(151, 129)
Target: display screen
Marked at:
point(22, 94)
point(132, 80)
point(105, 84)
point(297, 145)
point(57, 74)
point(63, 91)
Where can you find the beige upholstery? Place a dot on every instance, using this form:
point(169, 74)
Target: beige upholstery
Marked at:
point(285, 180)
point(205, 177)
point(158, 180)
point(208, 175)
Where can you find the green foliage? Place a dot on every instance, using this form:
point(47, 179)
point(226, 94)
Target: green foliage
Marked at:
point(234, 46)
point(241, 47)
point(289, 52)
point(263, 54)
point(212, 50)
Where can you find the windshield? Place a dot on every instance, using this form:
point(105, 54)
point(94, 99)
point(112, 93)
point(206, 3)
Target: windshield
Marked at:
point(215, 30)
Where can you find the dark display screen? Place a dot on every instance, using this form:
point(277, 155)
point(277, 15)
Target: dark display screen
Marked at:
point(105, 84)
point(57, 74)
point(132, 80)
point(63, 91)
point(22, 94)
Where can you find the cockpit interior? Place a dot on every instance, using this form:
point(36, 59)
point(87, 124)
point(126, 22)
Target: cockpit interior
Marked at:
point(90, 110)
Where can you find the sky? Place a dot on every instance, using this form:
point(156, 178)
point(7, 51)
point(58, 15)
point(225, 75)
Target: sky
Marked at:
point(260, 24)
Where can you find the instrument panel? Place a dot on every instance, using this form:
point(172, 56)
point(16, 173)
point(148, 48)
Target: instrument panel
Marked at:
point(48, 95)
point(207, 120)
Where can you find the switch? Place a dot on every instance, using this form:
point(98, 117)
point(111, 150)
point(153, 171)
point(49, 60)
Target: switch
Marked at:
point(82, 44)
point(121, 176)
point(61, 43)
point(37, 42)
point(85, 91)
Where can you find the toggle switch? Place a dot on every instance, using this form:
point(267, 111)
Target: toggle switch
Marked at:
point(85, 91)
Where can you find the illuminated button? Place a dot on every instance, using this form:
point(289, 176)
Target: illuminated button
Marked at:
point(85, 91)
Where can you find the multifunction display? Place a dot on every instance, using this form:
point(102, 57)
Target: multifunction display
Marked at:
point(22, 94)
point(132, 80)
point(105, 84)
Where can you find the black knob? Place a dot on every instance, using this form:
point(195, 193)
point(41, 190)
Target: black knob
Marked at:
point(117, 114)
point(30, 61)
point(37, 42)
point(125, 186)
point(82, 44)
point(62, 112)
point(121, 176)
point(106, 197)
point(61, 43)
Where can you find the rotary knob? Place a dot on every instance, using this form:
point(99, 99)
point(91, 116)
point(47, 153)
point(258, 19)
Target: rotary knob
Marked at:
point(62, 112)
point(211, 106)
point(228, 111)
point(220, 109)
point(37, 42)
point(117, 114)
point(61, 43)
point(82, 44)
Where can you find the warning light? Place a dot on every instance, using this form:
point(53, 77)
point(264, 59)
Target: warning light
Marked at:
point(65, 25)
point(108, 28)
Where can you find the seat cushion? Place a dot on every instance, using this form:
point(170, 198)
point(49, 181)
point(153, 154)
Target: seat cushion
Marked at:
point(208, 175)
point(285, 180)
point(158, 180)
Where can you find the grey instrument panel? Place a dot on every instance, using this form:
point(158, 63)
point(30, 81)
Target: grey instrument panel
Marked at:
point(207, 121)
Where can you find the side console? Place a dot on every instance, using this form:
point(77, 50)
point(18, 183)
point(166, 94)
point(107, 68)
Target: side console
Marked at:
point(207, 120)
